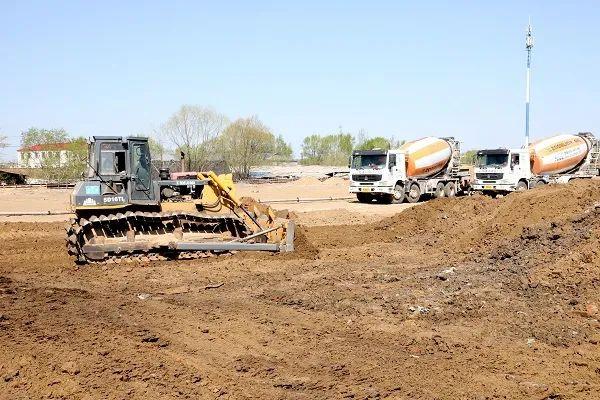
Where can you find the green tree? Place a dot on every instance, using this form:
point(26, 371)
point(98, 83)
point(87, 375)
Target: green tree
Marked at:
point(468, 157)
point(282, 149)
point(377, 142)
point(77, 156)
point(345, 144)
point(246, 143)
point(34, 136)
point(312, 150)
point(327, 150)
point(66, 166)
point(63, 159)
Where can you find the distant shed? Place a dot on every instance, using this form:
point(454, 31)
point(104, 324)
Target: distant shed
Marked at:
point(12, 176)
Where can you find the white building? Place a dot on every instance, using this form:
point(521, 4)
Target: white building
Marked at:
point(56, 154)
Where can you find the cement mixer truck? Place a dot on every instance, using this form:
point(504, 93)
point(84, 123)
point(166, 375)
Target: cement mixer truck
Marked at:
point(557, 159)
point(428, 167)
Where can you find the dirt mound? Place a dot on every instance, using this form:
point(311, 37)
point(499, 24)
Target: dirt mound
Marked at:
point(303, 248)
point(466, 224)
point(554, 268)
point(480, 222)
point(573, 239)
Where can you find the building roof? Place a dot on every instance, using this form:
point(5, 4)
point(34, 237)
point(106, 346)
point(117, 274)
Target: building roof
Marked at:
point(46, 147)
point(14, 171)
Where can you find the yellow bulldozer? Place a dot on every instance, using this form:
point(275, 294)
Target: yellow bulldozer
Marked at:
point(124, 214)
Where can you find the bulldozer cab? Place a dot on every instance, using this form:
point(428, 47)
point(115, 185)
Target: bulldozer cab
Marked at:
point(123, 166)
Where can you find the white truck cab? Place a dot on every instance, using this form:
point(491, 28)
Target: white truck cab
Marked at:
point(375, 174)
point(502, 170)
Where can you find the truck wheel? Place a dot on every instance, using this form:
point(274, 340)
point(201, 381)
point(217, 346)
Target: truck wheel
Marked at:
point(364, 197)
point(398, 195)
point(521, 186)
point(540, 183)
point(414, 194)
point(450, 189)
point(439, 190)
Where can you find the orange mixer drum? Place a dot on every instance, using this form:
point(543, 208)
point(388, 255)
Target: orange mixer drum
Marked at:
point(426, 157)
point(558, 154)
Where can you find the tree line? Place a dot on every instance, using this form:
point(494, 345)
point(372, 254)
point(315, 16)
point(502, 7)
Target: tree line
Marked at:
point(208, 140)
point(203, 138)
point(334, 149)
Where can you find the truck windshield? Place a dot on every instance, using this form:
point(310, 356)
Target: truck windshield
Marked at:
point(492, 160)
point(376, 161)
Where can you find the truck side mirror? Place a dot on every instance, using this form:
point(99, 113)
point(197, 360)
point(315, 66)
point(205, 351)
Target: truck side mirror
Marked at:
point(392, 162)
point(350, 162)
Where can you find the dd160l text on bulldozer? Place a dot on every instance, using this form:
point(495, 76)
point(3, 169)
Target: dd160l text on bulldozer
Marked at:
point(123, 214)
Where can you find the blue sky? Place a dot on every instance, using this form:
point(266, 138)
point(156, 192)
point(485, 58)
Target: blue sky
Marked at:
point(407, 69)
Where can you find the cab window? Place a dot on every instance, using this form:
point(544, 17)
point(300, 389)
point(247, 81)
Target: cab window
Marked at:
point(112, 162)
point(141, 164)
point(514, 159)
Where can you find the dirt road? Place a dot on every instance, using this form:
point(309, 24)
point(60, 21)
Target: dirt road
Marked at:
point(467, 298)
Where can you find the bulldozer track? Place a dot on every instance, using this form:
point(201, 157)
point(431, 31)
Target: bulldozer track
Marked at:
point(147, 227)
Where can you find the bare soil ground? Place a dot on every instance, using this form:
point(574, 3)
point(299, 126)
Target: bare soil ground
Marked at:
point(466, 298)
point(309, 213)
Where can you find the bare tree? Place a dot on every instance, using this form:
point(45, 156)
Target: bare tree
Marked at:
point(157, 150)
point(246, 143)
point(193, 130)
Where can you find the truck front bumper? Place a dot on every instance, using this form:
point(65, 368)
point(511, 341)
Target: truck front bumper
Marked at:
point(371, 189)
point(493, 187)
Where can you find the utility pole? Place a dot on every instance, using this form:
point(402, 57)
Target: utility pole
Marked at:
point(528, 47)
